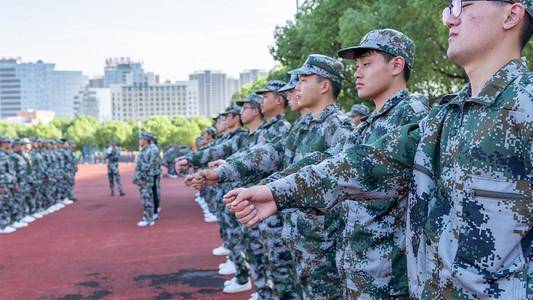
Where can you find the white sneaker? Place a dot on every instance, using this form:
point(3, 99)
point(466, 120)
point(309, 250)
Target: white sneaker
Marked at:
point(237, 288)
point(28, 219)
point(254, 296)
point(37, 215)
point(50, 210)
point(60, 205)
point(223, 265)
point(230, 282)
point(144, 223)
point(67, 201)
point(159, 209)
point(228, 269)
point(211, 219)
point(155, 217)
point(8, 229)
point(220, 251)
point(19, 224)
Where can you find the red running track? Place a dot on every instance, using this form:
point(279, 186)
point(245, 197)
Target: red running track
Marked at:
point(94, 250)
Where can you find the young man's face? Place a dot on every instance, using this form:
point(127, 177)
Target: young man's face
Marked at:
point(356, 119)
point(269, 102)
point(232, 120)
point(248, 113)
point(475, 31)
point(373, 75)
point(309, 90)
point(221, 124)
point(17, 147)
point(293, 100)
point(143, 143)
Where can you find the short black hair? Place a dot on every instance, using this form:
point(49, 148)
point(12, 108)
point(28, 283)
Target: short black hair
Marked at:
point(388, 57)
point(284, 97)
point(527, 30)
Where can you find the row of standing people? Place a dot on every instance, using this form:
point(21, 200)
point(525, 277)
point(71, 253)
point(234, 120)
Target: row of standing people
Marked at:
point(411, 203)
point(36, 179)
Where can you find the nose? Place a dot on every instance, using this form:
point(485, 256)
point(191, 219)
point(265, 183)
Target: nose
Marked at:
point(452, 20)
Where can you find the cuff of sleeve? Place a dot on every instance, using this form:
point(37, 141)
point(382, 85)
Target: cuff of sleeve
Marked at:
point(227, 173)
point(283, 192)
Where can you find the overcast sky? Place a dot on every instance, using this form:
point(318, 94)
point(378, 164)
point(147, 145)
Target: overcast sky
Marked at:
point(172, 37)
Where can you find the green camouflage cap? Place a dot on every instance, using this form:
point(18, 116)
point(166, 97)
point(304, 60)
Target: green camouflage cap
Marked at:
point(358, 109)
point(323, 66)
point(290, 85)
point(387, 40)
point(25, 141)
point(5, 139)
point(113, 142)
point(215, 118)
point(234, 110)
point(147, 135)
point(271, 86)
point(211, 131)
point(254, 99)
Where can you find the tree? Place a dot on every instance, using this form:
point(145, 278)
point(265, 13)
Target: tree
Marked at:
point(114, 130)
point(161, 127)
point(45, 131)
point(83, 131)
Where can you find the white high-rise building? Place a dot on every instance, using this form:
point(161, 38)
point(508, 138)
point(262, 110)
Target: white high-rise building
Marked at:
point(125, 71)
point(96, 102)
point(142, 101)
point(250, 76)
point(212, 95)
point(38, 86)
point(232, 87)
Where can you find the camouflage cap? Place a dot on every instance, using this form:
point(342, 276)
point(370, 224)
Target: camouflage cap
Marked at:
point(25, 141)
point(271, 86)
point(323, 66)
point(233, 110)
point(113, 142)
point(254, 99)
point(387, 40)
point(358, 109)
point(147, 135)
point(5, 139)
point(215, 118)
point(72, 142)
point(290, 85)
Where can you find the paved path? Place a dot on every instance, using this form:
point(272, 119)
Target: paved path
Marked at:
point(94, 250)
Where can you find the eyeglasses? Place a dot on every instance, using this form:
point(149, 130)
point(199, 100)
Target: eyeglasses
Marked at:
point(455, 8)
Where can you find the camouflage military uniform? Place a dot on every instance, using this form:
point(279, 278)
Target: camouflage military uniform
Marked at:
point(6, 183)
point(469, 167)
point(147, 170)
point(34, 180)
point(20, 193)
point(113, 174)
point(73, 169)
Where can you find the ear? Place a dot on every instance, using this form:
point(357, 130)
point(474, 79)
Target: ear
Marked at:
point(397, 64)
point(325, 86)
point(515, 15)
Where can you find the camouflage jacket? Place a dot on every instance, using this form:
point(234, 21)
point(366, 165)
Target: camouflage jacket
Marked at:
point(112, 155)
point(7, 176)
point(305, 136)
point(468, 165)
point(19, 167)
point(232, 143)
point(37, 166)
point(148, 164)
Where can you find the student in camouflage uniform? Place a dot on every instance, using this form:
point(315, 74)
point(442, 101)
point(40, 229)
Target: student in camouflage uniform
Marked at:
point(34, 179)
point(112, 155)
point(147, 172)
point(467, 166)
point(169, 160)
point(20, 190)
point(7, 179)
point(73, 169)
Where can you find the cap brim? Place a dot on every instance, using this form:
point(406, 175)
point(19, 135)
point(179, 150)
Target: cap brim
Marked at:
point(262, 91)
point(354, 52)
point(287, 87)
point(301, 71)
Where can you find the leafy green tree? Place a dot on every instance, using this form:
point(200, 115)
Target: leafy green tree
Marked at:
point(83, 131)
point(45, 131)
point(161, 127)
point(114, 130)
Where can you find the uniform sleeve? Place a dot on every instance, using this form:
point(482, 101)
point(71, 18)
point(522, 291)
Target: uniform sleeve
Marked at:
point(374, 171)
point(260, 161)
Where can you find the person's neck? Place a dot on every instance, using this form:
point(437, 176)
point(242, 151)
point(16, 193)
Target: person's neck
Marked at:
point(275, 112)
point(321, 105)
point(233, 128)
point(382, 98)
point(254, 124)
point(303, 111)
point(482, 68)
